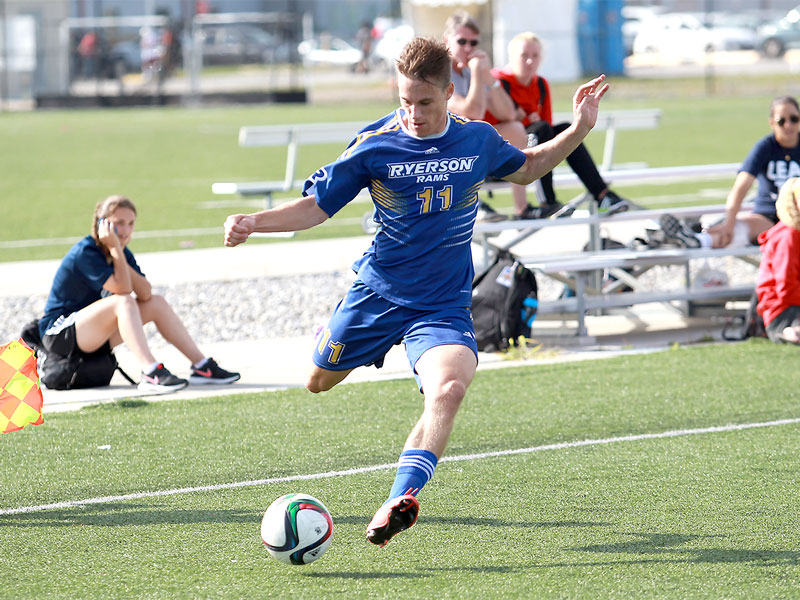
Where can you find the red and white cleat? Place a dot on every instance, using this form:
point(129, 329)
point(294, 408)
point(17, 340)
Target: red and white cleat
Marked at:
point(393, 517)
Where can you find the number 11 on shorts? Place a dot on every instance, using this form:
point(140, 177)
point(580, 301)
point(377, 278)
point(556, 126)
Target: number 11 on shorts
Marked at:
point(335, 347)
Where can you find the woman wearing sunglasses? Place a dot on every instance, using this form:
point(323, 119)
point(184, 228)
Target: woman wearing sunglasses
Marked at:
point(774, 159)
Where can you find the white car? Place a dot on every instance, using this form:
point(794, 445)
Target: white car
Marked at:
point(388, 48)
point(684, 36)
point(633, 17)
point(330, 51)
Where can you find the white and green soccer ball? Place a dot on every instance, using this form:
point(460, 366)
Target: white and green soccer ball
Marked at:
point(297, 529)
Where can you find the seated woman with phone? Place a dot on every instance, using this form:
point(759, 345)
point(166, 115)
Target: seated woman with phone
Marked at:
point(100, 298)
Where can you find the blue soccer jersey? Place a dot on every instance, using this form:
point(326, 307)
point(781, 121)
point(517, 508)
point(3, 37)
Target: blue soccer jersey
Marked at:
point(771, 164)
point(79, 280)
point(425, 192)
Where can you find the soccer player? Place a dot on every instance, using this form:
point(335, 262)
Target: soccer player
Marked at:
point(423, 167)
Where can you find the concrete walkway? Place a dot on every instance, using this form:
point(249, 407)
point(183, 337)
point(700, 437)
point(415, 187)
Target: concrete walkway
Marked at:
point(273, 364)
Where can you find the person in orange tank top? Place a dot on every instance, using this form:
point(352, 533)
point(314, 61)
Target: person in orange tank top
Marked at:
point(530, 93)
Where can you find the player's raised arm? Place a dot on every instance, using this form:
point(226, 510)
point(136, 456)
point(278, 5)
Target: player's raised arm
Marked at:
point(543, 158)
point(296, 215)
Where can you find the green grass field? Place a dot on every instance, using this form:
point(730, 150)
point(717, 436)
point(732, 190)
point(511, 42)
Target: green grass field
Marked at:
point(61, 163)
point(695, 514)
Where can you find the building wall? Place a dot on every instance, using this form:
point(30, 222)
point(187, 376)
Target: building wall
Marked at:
point(428, 20)
point(555, 23)
point(43, 75)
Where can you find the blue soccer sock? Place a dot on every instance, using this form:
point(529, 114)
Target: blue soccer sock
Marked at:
point(414, 469)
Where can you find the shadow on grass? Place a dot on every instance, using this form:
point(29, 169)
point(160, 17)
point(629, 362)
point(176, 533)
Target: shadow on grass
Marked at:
point(651, 545)
point(360, 575)
point(121, 403)
point(480, 522)
point(114, 515)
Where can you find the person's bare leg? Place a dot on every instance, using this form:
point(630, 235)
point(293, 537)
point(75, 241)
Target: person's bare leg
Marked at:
point(445, 373)
point(756, 224)
point(753, 224)
point(157, 310)
point(321, 380)
point(111, 319)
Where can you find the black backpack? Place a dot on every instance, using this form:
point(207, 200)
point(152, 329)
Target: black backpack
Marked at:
point(504, 303)
point(747, 326)
point(78, 370)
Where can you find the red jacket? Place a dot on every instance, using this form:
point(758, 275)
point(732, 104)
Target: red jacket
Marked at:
point(525, 96)
point(778, 284)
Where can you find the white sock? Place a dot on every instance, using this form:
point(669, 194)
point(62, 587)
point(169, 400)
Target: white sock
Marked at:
point(151, 368)
point(705, 239)
point(201, 363)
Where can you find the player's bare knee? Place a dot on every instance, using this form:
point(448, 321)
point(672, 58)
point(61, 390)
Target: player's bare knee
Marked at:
point(312, 385)
point(316, 383)
point(451, 393)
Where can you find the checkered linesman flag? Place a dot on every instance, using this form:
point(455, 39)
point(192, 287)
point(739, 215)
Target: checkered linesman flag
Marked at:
point(20, 393)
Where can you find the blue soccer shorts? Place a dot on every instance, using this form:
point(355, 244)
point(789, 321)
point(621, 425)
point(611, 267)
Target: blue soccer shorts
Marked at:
point(365, 326)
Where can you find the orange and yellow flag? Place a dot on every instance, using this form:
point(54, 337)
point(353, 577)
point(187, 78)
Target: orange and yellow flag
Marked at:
point(20, 394)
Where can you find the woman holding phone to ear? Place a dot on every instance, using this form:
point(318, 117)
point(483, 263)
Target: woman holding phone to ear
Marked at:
point(100, 296)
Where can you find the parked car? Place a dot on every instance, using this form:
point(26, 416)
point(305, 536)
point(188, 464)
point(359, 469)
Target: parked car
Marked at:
point(633, 17)
point(241, 43)
point(687, 36)
point(732, 31)
point(332, 51)
point(778, 36)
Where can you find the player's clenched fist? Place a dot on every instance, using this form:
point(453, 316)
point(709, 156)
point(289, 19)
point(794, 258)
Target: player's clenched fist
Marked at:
point(238, 228)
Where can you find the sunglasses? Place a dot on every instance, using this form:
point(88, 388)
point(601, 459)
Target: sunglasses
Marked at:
point(781, 121)
point(463, 42)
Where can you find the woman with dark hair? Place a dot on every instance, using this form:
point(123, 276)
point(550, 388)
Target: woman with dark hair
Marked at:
point(774, 159)
point(100, 298)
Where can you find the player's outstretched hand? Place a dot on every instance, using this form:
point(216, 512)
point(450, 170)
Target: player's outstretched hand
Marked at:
point(586, 102)
point(238, 228)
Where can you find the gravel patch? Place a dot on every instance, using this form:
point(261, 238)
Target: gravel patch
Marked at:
point(276, 307)
point(223, 311)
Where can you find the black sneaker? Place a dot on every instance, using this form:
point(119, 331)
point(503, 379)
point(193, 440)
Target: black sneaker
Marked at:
point(161, 380)
point(487, 214)
point(676, 231)
point(543, 211)
point(612, 204)
point(212, 373)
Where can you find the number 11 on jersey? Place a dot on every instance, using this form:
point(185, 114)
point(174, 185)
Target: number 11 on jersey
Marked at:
point(443, 195)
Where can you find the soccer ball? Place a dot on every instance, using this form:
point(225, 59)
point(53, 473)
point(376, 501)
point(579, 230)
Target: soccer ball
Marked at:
point(297, 529)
